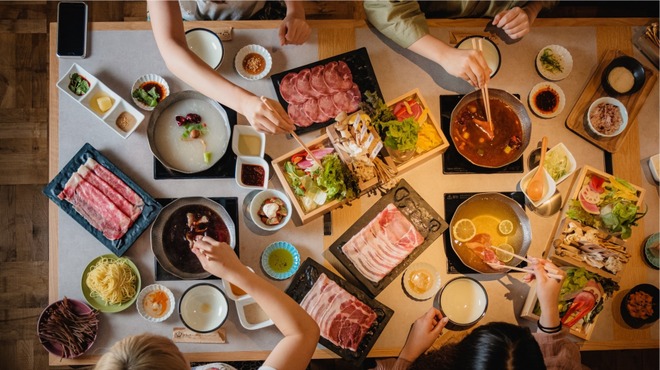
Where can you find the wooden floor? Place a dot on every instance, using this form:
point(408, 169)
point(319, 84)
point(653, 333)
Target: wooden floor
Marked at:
point(23, 173)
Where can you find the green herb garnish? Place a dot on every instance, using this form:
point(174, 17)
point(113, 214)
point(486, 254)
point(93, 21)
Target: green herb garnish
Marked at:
point(149, 98)
point(189, 128)
point(550, 61)
point(78, 84)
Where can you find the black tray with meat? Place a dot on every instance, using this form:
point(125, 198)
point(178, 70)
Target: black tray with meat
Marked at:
point(401, 220)
point(315, 93)
point(117, 210)
point(362, 313)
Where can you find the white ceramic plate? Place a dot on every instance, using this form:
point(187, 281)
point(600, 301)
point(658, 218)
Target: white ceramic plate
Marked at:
point(150, 78)
point(425, 268)
point(258, 49)
point(145, 292)
point(540, 98)
point(564, 58)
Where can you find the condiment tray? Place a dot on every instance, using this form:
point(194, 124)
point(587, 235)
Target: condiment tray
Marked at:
point(97, 90)
point(577, 119)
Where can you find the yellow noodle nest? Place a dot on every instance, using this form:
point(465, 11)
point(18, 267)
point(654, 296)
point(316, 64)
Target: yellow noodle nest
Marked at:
point(112, 280)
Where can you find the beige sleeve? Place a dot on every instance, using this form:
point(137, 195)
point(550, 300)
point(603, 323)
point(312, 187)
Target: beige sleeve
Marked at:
point(559, 352)
point(401, 21)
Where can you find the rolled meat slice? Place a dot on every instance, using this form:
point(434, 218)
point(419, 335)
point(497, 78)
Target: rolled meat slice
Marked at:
point(289, 91)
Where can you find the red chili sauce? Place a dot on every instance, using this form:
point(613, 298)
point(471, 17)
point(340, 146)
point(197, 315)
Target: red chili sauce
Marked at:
point(252, 175)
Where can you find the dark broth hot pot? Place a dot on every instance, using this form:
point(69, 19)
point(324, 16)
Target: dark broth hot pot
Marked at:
point(181, 229)
point(474, 144)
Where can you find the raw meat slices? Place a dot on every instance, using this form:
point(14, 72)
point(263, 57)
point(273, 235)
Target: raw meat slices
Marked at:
point(383, 244)
point(343, 319)
point(320, 93)
point(103, 199)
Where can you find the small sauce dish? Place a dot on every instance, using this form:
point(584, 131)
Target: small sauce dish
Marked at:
point(147, 83)
point(280, 260)
point(257, 213)
point(248, 142)
point(251, 315)
point(252, 172)
point(253, 62)
point(623, 76)
point(155, 303)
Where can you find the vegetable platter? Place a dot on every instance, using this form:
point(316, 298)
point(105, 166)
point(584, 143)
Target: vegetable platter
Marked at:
point(431, 141)
point(313, 189)
point(579, 285)
point(597, 219)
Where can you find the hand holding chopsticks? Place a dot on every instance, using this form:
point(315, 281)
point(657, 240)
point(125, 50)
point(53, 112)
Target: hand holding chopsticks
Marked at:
point(487, 129)
point(552, 272)
point(283, 116)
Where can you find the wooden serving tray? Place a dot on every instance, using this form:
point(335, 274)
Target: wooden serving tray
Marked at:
point(577, 119)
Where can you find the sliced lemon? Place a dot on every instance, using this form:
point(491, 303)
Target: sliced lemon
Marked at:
point(504, 257)
point(464, 230)
point(505, 227)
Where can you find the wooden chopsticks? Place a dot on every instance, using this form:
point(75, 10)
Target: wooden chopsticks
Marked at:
point(292, 132)
point(553, 273)
point(553, 276)
point(484, 91)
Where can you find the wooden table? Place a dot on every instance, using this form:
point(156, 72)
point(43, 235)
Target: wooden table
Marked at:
point(335, 37)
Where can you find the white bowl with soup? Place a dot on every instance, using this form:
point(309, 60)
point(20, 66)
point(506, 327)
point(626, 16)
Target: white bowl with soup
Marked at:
point(207, 45)
point(188, 132)
point(463, 300)
point(203, 308)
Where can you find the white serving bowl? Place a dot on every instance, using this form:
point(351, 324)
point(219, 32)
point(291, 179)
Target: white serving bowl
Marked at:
point(254, 161)
point(203, 308)
point(571, 165)
point(259, 199)
point(654, 165)
point(251, 315)
point(243, 53)
point(150, 78)
point(463, 300)
point(243, 140)
point(144, 312)
point(549, 187)
point(610, 100)
point(207, 45)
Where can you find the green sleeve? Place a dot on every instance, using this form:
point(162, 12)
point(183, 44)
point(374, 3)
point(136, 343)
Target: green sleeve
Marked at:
point(401, 21)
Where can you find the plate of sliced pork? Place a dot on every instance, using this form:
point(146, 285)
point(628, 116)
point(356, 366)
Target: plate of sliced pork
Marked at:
point(350, 321)
point(387, 238)
point(314, 94)
point(102, 199)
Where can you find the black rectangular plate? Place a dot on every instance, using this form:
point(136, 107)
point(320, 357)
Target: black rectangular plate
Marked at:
point(302, 282)
point(452, 201)
point(409, 202)
point(231, 206)
point(363, 76)
point(148, 215)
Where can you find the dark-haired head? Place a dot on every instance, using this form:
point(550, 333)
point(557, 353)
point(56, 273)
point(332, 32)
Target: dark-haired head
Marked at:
point(494, 346)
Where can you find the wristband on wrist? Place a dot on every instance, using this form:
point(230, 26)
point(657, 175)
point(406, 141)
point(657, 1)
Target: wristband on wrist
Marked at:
point(547, 330)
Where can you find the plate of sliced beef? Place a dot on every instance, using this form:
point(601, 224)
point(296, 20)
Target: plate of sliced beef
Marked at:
point(349, 320)
point(102, 199)
point(314, 94)
point(387, 238)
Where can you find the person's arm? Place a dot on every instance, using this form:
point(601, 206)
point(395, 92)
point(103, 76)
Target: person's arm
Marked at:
point(404, 23)
point(547, 291)
point(424, 331)
point(517, 22)
point(301, 333)
point(294, 29)
point(171, 40)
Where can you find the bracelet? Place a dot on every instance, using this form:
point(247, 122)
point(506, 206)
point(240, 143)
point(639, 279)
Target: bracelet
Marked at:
point(547, 330)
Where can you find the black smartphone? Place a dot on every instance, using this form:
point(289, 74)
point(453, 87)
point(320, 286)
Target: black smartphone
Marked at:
point(72, 29)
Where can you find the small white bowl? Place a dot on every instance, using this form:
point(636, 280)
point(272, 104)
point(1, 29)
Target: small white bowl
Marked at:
point(243, 141)
point(153, 78)
point(251, 315)
point(250, 49)
point(565, 60)
point(547, 88)
point(561, 150)
point(251, 161)
point(207, 45)
point(142, 308)
point(203, 308)
point(266, 260)
point(463, 300)
point(654, 165)
point(421, 271)
point(258, 201)
point(609, 100)
point(231, 294)
point(550, 186)
point(490, 51)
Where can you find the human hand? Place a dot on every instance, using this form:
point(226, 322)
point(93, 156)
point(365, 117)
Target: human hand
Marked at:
point(263, 118)
point(469, 65)
point(515, 22)
point(216, 257)
point(424, 331)
point(547, 288)
point(294, 30)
